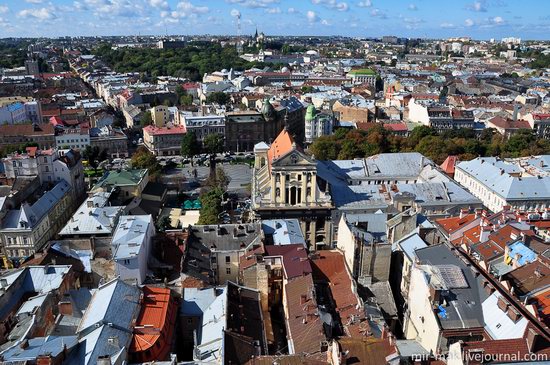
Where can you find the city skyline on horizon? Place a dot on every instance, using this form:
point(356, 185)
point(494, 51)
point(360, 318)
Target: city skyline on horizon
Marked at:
point(478, 19)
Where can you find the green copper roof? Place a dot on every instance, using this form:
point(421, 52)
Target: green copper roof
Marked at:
point(310, 112)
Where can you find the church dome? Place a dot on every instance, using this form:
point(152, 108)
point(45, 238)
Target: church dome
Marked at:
point(310, 112)
point(268, 110)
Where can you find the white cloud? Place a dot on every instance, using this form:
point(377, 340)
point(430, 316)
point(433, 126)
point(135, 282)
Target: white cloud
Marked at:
point(159, 4)
point(235, 13)
point(447, 25)
point(325, 22)
point(364, 4)
point(477, 6)
point(498, 20)
point(469, 22)
point(312, 16)
point(3, 9)
point(41, 14)
point(377, 13)
point(189, 8)
point(254, 3)
point(293, 11)
point(332, 4)
point(34, 1)
point(412, 7)
point(273, 10)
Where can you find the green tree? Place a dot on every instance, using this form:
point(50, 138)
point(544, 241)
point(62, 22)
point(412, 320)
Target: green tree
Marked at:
point(325, 148)
point(190, 146)
point(213, 143)
point(218, 97)
point(146, 119)
point(186, 100)
point(211, 201)
point(94, 156)
point(143, 159)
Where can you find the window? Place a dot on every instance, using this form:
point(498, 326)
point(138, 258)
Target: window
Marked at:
point(299, 177)
point(227, 259)
point(228, 271)
point(308, 191)
point(126, 262)
point(308, 177)
point(277, 192)
point(287, 177)
point(14, 163)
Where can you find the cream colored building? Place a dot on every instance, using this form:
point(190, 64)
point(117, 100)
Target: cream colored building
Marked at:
point(285, 185)
point(160, 115)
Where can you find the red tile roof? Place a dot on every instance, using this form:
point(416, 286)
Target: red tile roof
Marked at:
point(496, 348)
point(25, 130)
point(330, 267)
point(304, 325)
point(396, 127)
point(509, 123)
point(294, 257)
point(542, 302)
point(154, 323)
point(156, 131)
point(452, 224)
point(449, 165)
point(282, 145)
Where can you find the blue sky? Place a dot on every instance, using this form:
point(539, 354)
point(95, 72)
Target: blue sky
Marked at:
point(481, 19)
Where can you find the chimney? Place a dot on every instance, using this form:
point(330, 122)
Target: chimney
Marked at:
point(463, 213)
point(485, 232)
point(104, 360)
point(66, 308)
point(532, 338)
point(477, 213)
point(24, 344)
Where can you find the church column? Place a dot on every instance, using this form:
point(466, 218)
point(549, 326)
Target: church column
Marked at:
point(304, 189)
point(274, 198)
point(313, 232)
point(282, 185)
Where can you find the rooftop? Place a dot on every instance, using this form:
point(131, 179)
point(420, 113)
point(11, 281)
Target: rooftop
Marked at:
point(130, 235)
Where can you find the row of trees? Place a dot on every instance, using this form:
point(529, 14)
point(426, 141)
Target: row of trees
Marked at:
point(191, 61)
point(190, 145)
point(350, 144)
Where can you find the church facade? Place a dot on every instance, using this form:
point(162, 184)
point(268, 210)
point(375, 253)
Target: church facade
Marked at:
point(285, 185)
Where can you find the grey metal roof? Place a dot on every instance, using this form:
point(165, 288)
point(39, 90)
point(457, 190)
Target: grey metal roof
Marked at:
point(464, 304)
point(284, 231)
point(29, 216)
point(495, 175)
point(410, 244)
point(114, 302)
point(130, 235)
point(50, 345)
point(94, 216)
point(225, 237)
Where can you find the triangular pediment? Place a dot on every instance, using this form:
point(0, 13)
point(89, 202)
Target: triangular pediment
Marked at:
point(294, 158)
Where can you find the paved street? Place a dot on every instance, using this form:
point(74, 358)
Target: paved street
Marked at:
point(240, 175)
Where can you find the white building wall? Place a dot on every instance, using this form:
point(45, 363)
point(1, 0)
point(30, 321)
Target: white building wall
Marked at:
point(420, 321)
point(346, 242)
point(418, 113)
